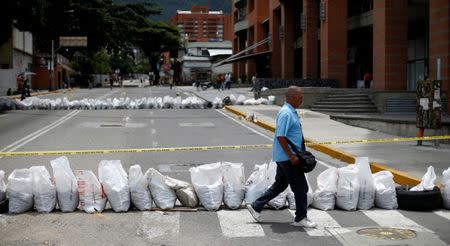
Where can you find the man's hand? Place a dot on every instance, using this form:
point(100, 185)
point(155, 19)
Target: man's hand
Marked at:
point(294, 160)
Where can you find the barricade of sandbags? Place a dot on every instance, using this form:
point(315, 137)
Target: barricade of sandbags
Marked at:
point(115, 184)
point(163, 196)
point(66, 185)
point(90, 190)
point(347, 188)
point(234, 184)
point(445, 188)
point(385, 194)
point(20, 191)
point(44, 191)
point(208, 184)
point(2, 186)
point(139, 191)
point(427, 182)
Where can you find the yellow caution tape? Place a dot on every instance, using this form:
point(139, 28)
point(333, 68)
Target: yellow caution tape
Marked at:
point(381, 140)
point(206, 148)
point(142, 150)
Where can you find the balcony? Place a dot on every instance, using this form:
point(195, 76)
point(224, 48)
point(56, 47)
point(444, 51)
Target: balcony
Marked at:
point(241, 25)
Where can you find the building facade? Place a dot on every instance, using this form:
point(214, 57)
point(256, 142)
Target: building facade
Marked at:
point(202, 25)
point(398, 42)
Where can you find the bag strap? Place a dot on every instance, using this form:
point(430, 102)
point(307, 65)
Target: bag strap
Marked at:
point(293, 147)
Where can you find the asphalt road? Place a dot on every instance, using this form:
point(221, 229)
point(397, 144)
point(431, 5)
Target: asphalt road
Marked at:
point(118, 129)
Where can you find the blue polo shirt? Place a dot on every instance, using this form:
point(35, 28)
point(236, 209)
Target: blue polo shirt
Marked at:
point(287, 125)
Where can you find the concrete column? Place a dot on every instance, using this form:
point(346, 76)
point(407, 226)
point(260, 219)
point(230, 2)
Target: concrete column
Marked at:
point(333, 41)
point(310, 47)
point(275, 17)
point(390, 44)
point(287, 41)
point(241, 64)
point(251, 63)
point(439, 43)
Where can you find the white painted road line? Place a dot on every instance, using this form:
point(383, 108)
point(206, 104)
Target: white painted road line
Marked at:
point(443, 214)
point(239, 223)
point(242, 124)
point(393, 219)
point(157, 224)
point(9, 147)
point(3, 115)
point(324, 223)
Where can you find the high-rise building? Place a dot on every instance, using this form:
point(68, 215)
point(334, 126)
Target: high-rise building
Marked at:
point(396, 42)
point(202, 25)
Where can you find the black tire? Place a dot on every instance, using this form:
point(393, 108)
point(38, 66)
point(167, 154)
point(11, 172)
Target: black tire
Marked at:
point(4, 207)
point(418, 200)
point(205, 87)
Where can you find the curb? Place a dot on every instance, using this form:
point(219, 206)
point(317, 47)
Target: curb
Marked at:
point(400, 177)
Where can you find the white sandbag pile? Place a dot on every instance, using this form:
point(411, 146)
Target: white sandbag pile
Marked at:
point(66, 185)
point(385, 194)
point(207, 181)
point(367, 188)
point(217, 103)
point(139, 191)
point(44, 191)
point(115, 184)
point(234, 184)
point(33, 103)
point(92, 197)
point(163, 196)
point(20, 191)
point(256, 183)
point(2, 186)
point(347, 188)
point(325, 194)
point(185, 192)
point(445, 188)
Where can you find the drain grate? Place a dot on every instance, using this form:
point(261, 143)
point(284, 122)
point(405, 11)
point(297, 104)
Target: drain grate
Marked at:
point(387, 233)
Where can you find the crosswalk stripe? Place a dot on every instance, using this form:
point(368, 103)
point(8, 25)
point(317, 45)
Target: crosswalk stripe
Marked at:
point(239, 223)
point(393, 219)
point(324, 223)
point(156, 224)
point(443, 214)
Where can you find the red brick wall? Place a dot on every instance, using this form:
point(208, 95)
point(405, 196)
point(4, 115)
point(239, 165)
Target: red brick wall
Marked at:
point(390, 44)
point(42, 78)
point(288, 41)
point(275, 21)
point(439, 45)
point(310, 47)
point(333, 41)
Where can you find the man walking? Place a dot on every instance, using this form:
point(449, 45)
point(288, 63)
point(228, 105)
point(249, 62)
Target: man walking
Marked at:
point(288, 165)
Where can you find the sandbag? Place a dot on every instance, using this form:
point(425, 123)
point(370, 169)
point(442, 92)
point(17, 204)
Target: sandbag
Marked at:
point(90, 190)
point(367, 188)
point(66, 185)
point(325, 194)
point(140, 194)
point(385, 194)
point(234, 184)
point(115, 184)
point(44, 191)
point(2, 186)
point(445, 188)
point(427, 182)
point(240, 100)
point(207, 181)
point(279, 201)
point(347, 188)
point(185, 192)
point(163, 196)
point(256, 183)
point(20, 191)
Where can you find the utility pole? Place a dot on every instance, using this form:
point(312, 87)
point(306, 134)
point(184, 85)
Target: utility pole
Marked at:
point(52, 67)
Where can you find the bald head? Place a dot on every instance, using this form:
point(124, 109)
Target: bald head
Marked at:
point(294, 96)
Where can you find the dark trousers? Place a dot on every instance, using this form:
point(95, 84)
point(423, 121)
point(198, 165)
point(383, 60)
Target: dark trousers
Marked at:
point(287, 174)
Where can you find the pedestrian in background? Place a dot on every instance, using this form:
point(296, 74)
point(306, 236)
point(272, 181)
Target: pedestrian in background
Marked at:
point(288, 127)
point(228, 81)
point(367, 80)
point(254, 82)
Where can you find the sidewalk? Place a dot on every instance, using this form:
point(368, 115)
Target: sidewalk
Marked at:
point(406, 157)
point(40, 93)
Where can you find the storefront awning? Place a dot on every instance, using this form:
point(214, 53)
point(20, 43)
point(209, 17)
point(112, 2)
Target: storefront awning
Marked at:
point(219, 52)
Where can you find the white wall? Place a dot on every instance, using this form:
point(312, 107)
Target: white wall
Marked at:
point(7, 80)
